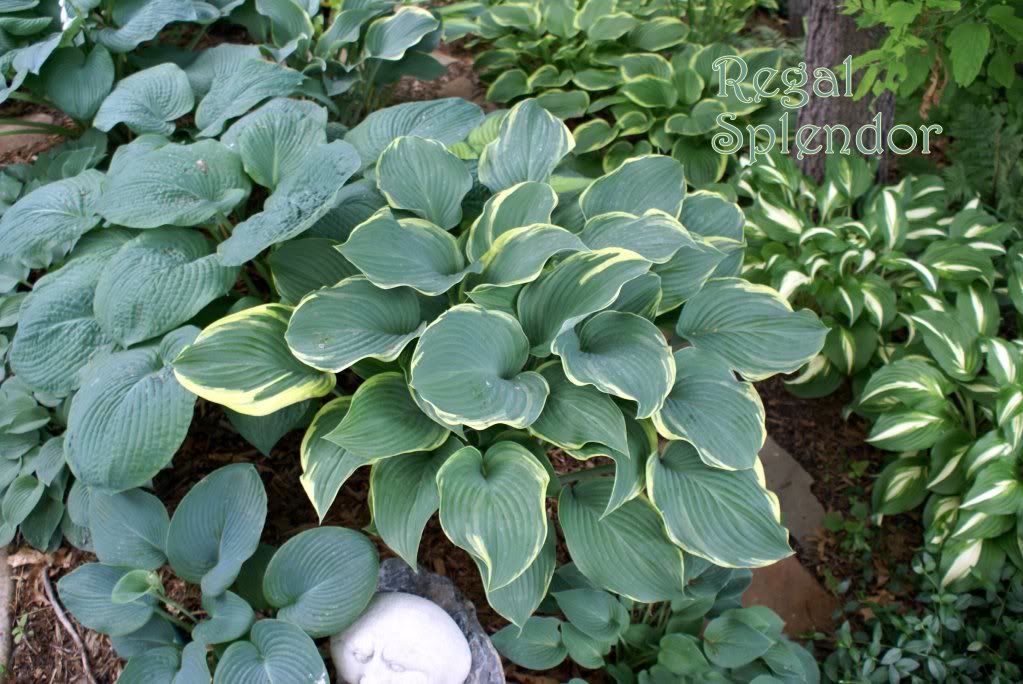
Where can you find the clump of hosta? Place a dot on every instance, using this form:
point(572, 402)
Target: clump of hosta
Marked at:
point(589, 315)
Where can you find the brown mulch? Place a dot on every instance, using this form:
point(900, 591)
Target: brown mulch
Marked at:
point(459, 81)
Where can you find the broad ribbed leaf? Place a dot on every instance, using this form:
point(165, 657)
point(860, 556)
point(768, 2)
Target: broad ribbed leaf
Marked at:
point(421, 176)
point(177, 185)
point(263, 432)
point(638, 185)
point(86, 593)
point(306, 264)
point(655, 236)
point(907, 381)
point(167, 664)
point(235, 92)
point(752, 327)
point(128, 529)
point(148, 101)
point(530, 144)
point(597, 613)
point(158, 281)
point(142, 21)
point(519, 599)
point(230, 618)
point(216, 527)
point(20, 498)
point(724, 516)
point(77, 83)
point(621, 354)
point(686, 271)
point(267, 377)
point(536, 646)
point(625, 551)
point(576, 415)
point(325, 465)
point(492, 505)
point(519, 255)
point(389, 37)
point(384, 421)
point(630, 466)
point(732, 642)
point(275, 652)
point(908, 429)
point(468, 367)
point(523, 204)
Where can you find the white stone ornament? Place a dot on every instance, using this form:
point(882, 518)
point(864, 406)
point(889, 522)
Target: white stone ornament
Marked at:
point(402, 639)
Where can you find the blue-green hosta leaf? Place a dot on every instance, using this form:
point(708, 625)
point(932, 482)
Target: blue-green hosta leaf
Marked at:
point(447, 121)
point(655, 235)
point(263, 432)
point(301, 266)
point(732, 642)
point(523, 204)
point(582, 284)
point(300, 200)
point(518, 255)
point(167, 664)
point(266, 378)
point(156, 633)
point(77, 83)
point(86, 593)
point(908, 429)
point(45, 224)
point(468, 367)
point(952, 343)
point(492, 505)
point(325, 465)
point(235, 92)
point(597, 613)
point(630, 466)
point(20, 498)
point(158, 281)
point(389, 37)
point(177, 185)
point(275, 651)
point(273, 141)
point(385, 421)
point(686, 271)
point(519, 599)
point(404, 497)
point(752, 327)
point(722, 417)
point(530, 144)
point(230, 618)
point(290, 22)
point(626, 551)
point(335, 327)
point(142, 21)
point(148, 101)
point(537, 645)
point(575, 415)
point(322, 579)
point(208, 64)
point(421, 176)
point(216, 527)
point(724, 516)
point(128, 529)
point(621, 354)
point(638, 185)
point(412, 252)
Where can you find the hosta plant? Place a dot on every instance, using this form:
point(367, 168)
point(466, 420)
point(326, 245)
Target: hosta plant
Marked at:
point(597, 322)
point(624, 71)
point(664, 642)
point(315, 585)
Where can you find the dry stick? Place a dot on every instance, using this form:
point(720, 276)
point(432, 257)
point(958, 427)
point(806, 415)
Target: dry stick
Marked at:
point(6, 608)
point(67, 624)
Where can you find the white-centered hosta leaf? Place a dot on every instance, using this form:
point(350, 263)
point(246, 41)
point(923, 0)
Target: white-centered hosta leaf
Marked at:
point(468, 365)
point(625, 551)
point(638, 185)
point(216, 527)
point(77, 83)
point(385, 421)
point(86, 593)
point(263, 379)
point(523, 204)
point(421, 176)
point(531, 142)
point(752, 327)
point(273, 141)
point(492, 505)
point(621, 354)
point(275, 651)
point(907, 381)
point(412, 252)
point(724, 516)
point(952, 343)
point(148, 101)
point(176, 185)
point(306, 264)
point(300, 200)
point(335, 327)
point(582, 284)
point(909, 429)
point(447, 121)
point(389, 37)
point(721, 416)
point(655, 236)
point(576, 415)
point(322, 579)
point(128, 529)
point(404, 497)
point(519, 599)
point(45, 224)
point(158, 281)
point(235, 92)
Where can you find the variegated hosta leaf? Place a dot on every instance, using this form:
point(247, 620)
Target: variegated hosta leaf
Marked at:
point(529, 145)
point(818, 378)
point(325, 465)
point(638, 185)
point(1004, 361)
point(951, 343)
point(726, 517)
point(334, 327)
point(519, 255)
point(720, 416)
point(901, 486)
point(519, 599)
point(265, 378)
point(687, 271)
point(909, 429)
point(621, 354)
point(891, 217)
point(300, 200)
point(584, 283)
point(492, 505)
point(780, 222)
point(410, 252)
point(991, 446)
point(468, 367)
point(421, 176)
point(148, 101)
point(577, 415)
point(384, 421)
point(404, 497)
point(958, 263)
point(389, 37)
point(234, 92)
point(625, 551)
point(996, 490)
point(906, 381)
point(158, 281)
point(751, 327)
point(977, 306)
point(851, 349)
point(523, 204)
point(630, 466)
point(655, 236)
point(878, 300)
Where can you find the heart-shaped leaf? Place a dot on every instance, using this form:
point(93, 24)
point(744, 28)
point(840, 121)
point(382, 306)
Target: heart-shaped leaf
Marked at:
point(77, 83)
point(86, 592)
point(148, 101)
point(530, 144)
point(230, 618)
point(638, 185)
point(235, 92)
point(523, 204)
point(276, 651)
point(421, 176)
point(128, 529)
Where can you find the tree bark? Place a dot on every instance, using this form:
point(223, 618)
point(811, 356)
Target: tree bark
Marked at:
point(831, 37)
point(794, 12)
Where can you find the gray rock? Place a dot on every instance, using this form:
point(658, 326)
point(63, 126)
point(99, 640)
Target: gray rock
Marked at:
point(396, 575)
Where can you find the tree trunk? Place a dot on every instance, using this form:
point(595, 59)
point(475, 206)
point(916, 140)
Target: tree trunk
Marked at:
point(831, 37)
point(795, 11)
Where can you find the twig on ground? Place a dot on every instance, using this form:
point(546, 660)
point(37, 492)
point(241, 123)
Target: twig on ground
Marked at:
point(66, 624)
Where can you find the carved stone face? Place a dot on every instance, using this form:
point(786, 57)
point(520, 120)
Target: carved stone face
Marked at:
point(402, 639)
